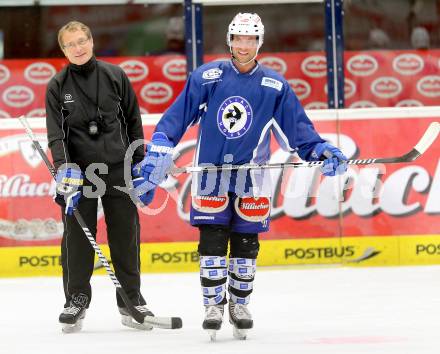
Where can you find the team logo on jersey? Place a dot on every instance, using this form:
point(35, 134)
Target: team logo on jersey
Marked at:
point(234, 117)
point(212, 74)
point(68, 98)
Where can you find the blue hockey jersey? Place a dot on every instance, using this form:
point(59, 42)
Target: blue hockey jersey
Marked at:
point(236, 113)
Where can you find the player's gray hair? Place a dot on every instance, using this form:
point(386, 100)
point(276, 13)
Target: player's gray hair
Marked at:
point(73, 26)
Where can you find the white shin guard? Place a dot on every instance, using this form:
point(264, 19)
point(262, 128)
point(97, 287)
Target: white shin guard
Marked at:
point(243, 270)
point(214, 269)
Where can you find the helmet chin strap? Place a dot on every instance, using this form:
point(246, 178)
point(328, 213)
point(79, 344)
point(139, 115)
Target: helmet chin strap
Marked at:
point(238, 61)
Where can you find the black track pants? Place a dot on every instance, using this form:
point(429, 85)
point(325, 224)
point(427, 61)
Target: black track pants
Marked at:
point(122, 220)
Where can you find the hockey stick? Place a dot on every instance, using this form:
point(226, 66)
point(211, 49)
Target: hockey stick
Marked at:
point(161, 322)
point(424, 143)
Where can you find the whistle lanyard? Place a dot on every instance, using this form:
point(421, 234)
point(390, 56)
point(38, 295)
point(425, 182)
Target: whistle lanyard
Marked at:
point(72, 74)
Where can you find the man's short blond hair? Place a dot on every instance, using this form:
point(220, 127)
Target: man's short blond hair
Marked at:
point(73, 26)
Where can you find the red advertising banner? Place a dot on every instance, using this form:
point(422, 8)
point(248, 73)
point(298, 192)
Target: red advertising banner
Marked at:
point(400, 199)
point(392, 78)
point(157, 80)
point(372, 78)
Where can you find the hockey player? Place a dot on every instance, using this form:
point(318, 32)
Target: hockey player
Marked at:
point(93, 116)
point(237, 104)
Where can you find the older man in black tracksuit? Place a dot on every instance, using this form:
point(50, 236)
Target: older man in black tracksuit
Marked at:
point(93, 117)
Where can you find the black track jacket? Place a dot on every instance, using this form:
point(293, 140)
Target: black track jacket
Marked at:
point(71, 103)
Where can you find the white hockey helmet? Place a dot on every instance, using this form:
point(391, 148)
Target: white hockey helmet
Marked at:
point(246, 24)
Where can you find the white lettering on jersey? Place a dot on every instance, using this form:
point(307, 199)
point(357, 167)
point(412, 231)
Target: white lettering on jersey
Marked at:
point(269, 82)
point(212, 74)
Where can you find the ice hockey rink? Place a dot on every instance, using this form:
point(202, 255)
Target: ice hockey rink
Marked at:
point(332, 310)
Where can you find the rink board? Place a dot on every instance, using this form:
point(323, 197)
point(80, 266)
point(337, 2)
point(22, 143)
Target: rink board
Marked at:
point(387, 215)
point(183, 257)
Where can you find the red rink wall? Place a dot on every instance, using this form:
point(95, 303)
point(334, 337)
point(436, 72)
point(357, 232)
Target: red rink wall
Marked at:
point(388, 214)
point(398, 225)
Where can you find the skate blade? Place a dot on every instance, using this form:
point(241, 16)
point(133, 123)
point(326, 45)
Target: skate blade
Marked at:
point(72, 328)
point(129, 322)
point(212, 334)
point(239, 333)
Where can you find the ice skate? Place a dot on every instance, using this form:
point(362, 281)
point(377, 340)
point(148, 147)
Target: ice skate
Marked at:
point(241, 319)
point(129, 321)
point(213, 320)
point(72, 317)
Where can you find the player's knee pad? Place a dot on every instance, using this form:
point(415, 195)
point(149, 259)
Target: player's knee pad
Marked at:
point(213, 275)
point(244, 245)
point(241, 279)
point(213, 240)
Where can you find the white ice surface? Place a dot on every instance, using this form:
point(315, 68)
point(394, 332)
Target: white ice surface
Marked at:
point(299, 311)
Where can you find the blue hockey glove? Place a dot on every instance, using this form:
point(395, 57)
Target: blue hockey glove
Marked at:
point(334, 159)
point(69, 188)
point(158, 159)
point(143, 190)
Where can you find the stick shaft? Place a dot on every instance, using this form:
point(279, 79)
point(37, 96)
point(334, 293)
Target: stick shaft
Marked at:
point(423, 144)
